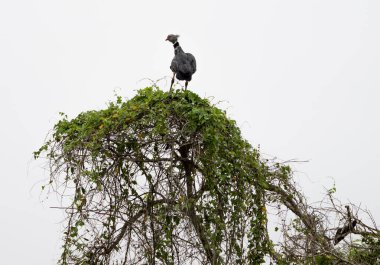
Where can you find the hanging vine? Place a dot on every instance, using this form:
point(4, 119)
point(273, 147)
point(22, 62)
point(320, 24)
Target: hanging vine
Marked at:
point(162, 178)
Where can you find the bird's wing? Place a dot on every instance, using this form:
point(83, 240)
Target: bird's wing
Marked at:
point(174, 65)
point(192, 62)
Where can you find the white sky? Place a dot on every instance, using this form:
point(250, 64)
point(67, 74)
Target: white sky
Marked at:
point(300, 77)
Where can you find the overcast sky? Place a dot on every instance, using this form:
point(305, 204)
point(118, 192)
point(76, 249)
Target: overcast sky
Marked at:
point(300, 77)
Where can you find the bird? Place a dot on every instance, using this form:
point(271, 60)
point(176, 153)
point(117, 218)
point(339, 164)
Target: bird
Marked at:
point(342, 232)
point(183, 64)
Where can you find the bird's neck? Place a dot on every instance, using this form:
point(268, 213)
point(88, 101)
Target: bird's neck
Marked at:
point(177, 48)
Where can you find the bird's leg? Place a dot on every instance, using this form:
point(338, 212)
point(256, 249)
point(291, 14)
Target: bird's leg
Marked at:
point(171, 85)
point(186, 85)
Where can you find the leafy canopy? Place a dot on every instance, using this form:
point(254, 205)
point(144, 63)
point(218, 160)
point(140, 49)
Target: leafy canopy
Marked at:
point(163, 177)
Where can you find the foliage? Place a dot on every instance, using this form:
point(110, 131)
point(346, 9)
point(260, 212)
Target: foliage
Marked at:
point(162, 178)
point(166, 178)
point(366, 253)
point(310, 231)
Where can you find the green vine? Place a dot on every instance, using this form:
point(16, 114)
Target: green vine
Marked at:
point(162, 178)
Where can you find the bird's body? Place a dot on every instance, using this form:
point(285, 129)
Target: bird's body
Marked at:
point(183, 64)
point(342, 232)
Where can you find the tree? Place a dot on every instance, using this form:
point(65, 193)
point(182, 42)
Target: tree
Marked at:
point(166, 178)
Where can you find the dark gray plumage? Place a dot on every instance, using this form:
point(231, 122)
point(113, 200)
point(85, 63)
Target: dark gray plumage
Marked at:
point(342, 232)
point(183, 64)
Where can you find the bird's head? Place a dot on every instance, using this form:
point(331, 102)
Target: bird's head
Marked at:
point(172, 38)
